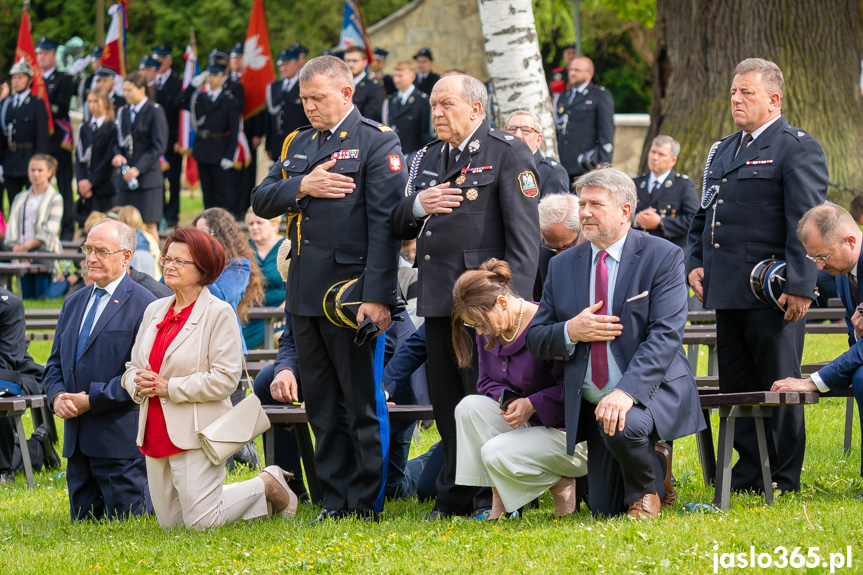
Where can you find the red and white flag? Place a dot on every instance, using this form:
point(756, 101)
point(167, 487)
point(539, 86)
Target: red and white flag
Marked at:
point(114, 53)
point(187, 131)
point(25, 51)
point(257, 62)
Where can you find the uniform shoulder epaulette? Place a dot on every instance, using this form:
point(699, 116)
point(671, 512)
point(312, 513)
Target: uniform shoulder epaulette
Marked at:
point(377, 125)
point(501, 135)
point(423, 95)
point(797, 132)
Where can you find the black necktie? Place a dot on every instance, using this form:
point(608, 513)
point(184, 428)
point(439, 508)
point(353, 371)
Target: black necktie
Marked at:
point(453, 154)
point(323, 136)
point(855, 289)
point(744, 143)
point(655, 187)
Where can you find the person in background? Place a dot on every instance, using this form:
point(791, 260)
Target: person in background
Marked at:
point(34, 222)
point(284, 106)
point(369, 92)
point(264, 239)
point(380, 65)
point(426, 78)
point(183, 384)
point(560, 230)
point(93, 169)
point(512, 435)
point(147, 251)
point(553, 178)
point(142, 137)
point(168, 87)
point(25, 110)
point(407, 110)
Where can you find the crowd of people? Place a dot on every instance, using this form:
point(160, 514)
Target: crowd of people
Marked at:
point(538, 305)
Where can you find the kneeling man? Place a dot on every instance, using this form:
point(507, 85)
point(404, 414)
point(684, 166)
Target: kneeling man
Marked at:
point(614, 309)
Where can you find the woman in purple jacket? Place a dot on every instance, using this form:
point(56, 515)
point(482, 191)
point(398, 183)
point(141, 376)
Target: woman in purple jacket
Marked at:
point(512, 436)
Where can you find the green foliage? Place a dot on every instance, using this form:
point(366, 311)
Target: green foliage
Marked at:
point(217, 23)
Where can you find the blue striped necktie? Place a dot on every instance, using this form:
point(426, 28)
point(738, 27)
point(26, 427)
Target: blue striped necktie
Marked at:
point(88, 324)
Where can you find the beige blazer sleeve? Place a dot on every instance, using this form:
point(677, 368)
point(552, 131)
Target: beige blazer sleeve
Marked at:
point(202, 365)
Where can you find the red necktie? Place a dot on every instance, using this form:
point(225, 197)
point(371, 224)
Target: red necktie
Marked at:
point(599, 349)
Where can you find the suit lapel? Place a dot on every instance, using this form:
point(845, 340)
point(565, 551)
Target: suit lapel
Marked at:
point(464, 158)
point(192, 323)
point(583, 263)
point(628, 262)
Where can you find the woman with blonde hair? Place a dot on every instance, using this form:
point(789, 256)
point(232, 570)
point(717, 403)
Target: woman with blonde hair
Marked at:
point(510, 437)
point(147, 251)
point(265, 241)
point(34, 222)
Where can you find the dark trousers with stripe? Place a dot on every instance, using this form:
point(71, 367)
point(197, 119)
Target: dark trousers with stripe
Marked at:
point(343, 405)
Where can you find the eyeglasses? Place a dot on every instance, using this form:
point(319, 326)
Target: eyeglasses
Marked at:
point(472, 326)
point(100, 253)
point(524, 129)
point(177, 263)
point(823, 259)
point(562, 248)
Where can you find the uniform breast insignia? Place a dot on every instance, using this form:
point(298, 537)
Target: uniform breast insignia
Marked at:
point(642, 185)
point(395, 162)
point(383, 128)
point(472, 194)
point(345, 155)
point(460, 180)
point(479, 170)
point(286, 163)
point(758, 162)
point(473, 147)
point(668, 183)
point(433, 183)
point(527, 183)
point(588, 102)
point(411, 100)
point(300, 157)
point(428, 173)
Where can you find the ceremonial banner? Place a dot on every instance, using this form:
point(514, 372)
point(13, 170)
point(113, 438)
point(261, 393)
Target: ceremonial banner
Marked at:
point(257, 62)
point(354, 29)
point(114, 54)
point(187, 131)
point(25, 51)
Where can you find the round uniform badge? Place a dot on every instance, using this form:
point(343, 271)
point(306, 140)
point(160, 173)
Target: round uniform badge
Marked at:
point(472, 194)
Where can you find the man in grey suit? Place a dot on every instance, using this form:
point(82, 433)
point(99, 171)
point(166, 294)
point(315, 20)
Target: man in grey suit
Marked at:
point(614, 309)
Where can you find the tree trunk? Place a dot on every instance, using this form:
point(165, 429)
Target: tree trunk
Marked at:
point(515, 64)
point(818, 48)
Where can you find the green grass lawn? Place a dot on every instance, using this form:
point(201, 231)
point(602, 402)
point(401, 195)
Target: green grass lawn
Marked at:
point(36, 535)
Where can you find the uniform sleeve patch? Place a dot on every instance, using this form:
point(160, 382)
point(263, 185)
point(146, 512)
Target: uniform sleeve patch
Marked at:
point(395, 163)
point(527, 183)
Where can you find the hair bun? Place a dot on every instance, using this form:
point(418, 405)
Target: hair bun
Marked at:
point(499, 269)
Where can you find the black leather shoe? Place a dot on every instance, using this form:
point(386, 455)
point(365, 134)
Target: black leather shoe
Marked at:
point(436, 514)
point(327, 515)
point(40, 434)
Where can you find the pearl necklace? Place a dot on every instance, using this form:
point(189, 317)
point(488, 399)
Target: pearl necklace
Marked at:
point(517, 326)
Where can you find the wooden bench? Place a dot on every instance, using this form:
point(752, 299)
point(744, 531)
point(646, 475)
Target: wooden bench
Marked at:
point(18, 270)
point(15, 407)
point(270, 315)
point(295, 416)
point(756, 405)
point(42, 257)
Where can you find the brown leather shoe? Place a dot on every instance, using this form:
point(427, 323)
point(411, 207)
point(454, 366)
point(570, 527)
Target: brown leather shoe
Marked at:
point(670, 495)
point(645, 507)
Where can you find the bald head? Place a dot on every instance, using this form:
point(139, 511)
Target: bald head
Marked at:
point(580, 71)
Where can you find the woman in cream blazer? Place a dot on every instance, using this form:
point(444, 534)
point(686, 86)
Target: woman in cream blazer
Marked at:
point(185, 364)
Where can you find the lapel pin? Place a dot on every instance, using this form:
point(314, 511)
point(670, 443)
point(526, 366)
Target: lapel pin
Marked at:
point(116, 301)
point(343, 135)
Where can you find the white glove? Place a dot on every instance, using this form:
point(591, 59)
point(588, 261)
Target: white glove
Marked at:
point(1, 174)
point(227, 164)
point(199, 80)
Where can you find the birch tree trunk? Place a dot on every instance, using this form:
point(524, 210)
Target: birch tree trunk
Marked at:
point(515, 64)
point(816, 44)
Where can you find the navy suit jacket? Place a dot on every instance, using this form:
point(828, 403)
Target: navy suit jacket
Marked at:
point(109, 429)
point(650, 300)
point(843, 286)
point(837, 375)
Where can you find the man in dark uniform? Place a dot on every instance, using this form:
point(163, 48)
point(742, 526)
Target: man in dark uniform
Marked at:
point(560, 76)
point(380, 65)
point(667, 200)
point(585, 121)
point(553, 178)
point(369, 92)
point(284, 106)
point(168, 88)
point(24, 126)
point(426, 78)
point(758, 183)
point(104, 77)
point(338, 182)
point(407, 111)
point(300, 51)
point(233, 63)
point(59, 89)
point(473, 196)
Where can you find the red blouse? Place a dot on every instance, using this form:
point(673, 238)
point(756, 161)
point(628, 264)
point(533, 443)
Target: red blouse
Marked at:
point(157, 443)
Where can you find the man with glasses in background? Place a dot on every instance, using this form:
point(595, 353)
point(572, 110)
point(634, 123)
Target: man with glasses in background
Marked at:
point(553, 178)
point(106, 473)
point(560, 230)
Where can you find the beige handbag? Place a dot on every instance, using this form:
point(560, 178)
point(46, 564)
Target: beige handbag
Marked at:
point(230, 432)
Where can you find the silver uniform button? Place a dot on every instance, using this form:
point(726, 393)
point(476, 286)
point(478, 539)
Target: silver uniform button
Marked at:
point(724, 180)
point(428, 234)
point(715, 246)
point(427, 258)
point(720, 202)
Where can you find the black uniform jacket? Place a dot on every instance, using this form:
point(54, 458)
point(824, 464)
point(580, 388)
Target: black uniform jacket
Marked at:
point(498, 217)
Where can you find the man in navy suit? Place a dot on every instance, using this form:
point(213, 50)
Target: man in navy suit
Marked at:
point(106, 473)
point(833, 241)
point(758, 184)
point(614, 309)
